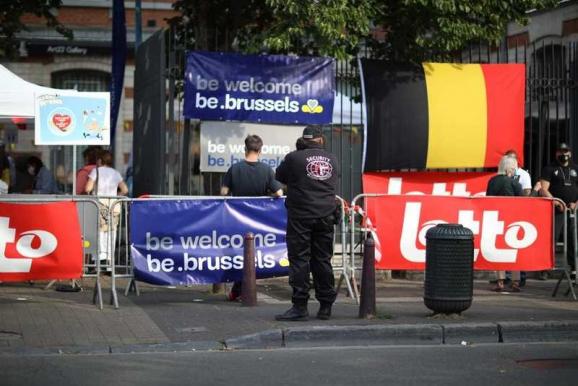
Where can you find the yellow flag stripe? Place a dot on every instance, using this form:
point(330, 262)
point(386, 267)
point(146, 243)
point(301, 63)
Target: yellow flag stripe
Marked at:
point(457, 114)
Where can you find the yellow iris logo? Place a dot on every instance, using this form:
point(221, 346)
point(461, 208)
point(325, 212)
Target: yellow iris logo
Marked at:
point(312, 107)
point(284, 262)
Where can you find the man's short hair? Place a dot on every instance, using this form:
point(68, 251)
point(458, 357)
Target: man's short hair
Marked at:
point(512, 153)
point(253, 143)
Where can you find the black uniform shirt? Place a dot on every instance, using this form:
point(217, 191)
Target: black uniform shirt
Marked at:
point(248, 179)
point(311, 177)
point(563, 181)
point(502, 185)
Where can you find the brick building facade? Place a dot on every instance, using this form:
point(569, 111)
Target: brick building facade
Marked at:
point(48, 59)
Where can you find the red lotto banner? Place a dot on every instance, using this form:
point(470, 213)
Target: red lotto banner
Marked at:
point(436, 183)
point(510, 233)
point(40, 242)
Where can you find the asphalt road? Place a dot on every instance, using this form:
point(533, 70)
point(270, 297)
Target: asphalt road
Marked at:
point(505, 364)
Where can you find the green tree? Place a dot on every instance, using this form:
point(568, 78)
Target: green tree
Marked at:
point(414, 28)
point(11, 12)
point(316, 27)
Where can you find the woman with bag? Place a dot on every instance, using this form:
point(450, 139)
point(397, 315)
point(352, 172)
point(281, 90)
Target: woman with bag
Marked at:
point(106, 182)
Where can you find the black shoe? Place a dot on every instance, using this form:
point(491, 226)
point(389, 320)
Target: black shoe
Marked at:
point(293, 314)
point(522, 283)
point(324, 312)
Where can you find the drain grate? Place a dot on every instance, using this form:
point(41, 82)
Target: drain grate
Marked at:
point(547, 364)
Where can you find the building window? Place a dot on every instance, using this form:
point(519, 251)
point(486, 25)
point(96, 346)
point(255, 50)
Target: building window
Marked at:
point(81, 80)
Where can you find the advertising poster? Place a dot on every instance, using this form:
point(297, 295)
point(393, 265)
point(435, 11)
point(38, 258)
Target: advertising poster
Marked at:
point(82, 119)
point(259, 88)
point(223, 143)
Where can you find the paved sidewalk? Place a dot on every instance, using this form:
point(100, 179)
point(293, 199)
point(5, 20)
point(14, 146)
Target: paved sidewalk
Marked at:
point(44, 321)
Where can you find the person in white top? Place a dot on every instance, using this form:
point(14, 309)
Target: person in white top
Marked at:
point(522, 176)
point(106, 182)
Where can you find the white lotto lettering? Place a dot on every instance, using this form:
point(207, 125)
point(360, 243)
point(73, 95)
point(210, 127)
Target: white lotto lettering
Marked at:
point(516, 236)
point(46, 245)
point(459, 189)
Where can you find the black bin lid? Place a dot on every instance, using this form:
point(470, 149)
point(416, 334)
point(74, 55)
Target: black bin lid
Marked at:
point(449, 232)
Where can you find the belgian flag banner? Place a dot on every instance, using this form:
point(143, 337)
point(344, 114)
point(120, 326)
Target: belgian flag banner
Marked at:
point(442, 115)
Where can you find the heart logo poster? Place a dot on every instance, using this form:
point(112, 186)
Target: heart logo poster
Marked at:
point(74, 119)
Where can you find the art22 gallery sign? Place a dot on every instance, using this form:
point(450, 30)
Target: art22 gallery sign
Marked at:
point(259, 88)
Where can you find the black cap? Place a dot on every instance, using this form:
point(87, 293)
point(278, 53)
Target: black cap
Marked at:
point(312, 131)
point(563, 146)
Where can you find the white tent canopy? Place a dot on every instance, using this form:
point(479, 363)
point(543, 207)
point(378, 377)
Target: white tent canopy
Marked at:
point(17, 96)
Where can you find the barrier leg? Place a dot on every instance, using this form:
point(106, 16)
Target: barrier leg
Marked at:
point(50, 284)
point(97, 292)
point(557, 285)
point(113, 294)
point(345, 277)
point(132, 287)
point(367, 306)
point(249, 290)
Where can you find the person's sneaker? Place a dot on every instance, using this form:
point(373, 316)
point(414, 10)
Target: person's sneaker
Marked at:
point(324, 312)
point(515, 286)
point(293, 314)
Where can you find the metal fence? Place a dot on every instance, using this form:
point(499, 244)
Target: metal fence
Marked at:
point(550, 112)
point(551, 104)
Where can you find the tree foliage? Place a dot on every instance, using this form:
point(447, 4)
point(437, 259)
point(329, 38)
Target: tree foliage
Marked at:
point(414, 28)
point(11, 12)
point(316, 27)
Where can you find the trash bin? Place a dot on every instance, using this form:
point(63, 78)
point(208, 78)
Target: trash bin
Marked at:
point(449, 268)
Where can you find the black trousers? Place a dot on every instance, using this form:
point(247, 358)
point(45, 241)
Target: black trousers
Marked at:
point(559, 228)
point(310, 249)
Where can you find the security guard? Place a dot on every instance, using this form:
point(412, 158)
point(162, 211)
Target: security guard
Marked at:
point(311, 176)
point(560, 180)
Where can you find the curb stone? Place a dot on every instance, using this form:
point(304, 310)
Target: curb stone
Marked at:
point(335, 336)
point(265, 339)
point(471, 333)
point(68, 350)
point(404, 334)
point(548, 331)
point(167, 347)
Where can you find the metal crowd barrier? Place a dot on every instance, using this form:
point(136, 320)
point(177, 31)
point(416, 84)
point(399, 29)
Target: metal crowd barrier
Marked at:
point(342, 264)
point(560, 262)
point(88, 208)
point(118, 242)
point(358, 236)
point(122, 264)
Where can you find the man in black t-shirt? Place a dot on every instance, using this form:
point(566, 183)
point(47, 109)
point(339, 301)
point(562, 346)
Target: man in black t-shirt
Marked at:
point(311, 177)
point(560, 180)
point(250, 178)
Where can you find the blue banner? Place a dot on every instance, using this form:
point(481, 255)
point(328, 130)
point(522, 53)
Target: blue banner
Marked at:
point(119, 51)
point(259, 88)
point(201, 241)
